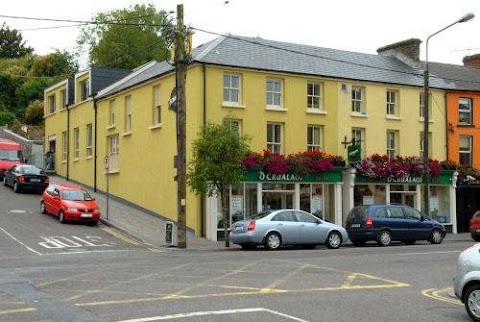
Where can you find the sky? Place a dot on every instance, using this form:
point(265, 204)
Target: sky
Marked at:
point(352, 25)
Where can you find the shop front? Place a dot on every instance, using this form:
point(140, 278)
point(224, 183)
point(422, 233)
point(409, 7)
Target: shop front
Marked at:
point(319, 194)
point(409, 190)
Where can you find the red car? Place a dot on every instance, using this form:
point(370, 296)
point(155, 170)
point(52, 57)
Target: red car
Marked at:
point(474, 226)
point(70, 203)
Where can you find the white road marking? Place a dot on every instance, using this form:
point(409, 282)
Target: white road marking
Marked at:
point(72, 242)
point(18, 241)
point(206, 313)
point(429, 253)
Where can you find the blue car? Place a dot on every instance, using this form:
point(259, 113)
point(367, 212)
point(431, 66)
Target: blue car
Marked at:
point(387, 223)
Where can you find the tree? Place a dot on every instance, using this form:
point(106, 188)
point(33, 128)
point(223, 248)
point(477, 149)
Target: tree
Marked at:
point(12, 44)
point(7, 118)
point(216, 164)
point(30, 90)
point(34, 113)
point(8, 86)
point(59, 63)
point(127, 38)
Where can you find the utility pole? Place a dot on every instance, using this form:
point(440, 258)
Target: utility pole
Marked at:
point(181, 74)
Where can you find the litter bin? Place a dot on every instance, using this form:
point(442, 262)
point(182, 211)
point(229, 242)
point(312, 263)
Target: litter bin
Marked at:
point(168, 233)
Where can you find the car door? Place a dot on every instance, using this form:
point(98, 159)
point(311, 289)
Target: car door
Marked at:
point(311, 231)
point(397, 223)
point(55, 202)
point(287, 225)
point(10, 176)
point(418, 227)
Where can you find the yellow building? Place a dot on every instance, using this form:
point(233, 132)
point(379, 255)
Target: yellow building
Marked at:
point(288, 97)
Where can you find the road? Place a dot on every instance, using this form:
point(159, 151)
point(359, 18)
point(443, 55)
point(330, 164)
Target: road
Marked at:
point(68, 272)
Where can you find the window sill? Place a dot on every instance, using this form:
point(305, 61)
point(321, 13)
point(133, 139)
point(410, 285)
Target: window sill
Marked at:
point(358, 114)
point(276, 108)
point(393, 117)
point(233, 105)
point(465, 125)
point(111, 127)
point(76, 159)
point(64, 161)
point(127, 134)
point(112, 171)
point(89, 157)
point(156, 126)
point(316, 111)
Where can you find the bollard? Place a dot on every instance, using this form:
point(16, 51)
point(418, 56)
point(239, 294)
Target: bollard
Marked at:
point(168, 233)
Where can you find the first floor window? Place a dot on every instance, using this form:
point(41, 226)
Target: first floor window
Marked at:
point(157, 106)
point(128, 114)
point(314, 96)
point(111, 113)
point(392, 98)
point(89, 140)
point(76, 142)
point(465, 150)
point(357, 99)
point(113, 153)
point(274, 137)
point(274, 92)
point(231, 88)
point(64, 146)
point(422, 145)
point(358, 138)
point(52, 106)
point(465, 111)
point(392, 141)
point(314, 137)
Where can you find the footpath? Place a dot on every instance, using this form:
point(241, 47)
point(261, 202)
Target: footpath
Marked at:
point(150, 228)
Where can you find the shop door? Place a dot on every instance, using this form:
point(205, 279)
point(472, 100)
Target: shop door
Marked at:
point(272, 200)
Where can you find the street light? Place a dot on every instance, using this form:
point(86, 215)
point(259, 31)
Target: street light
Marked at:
point(426, 168)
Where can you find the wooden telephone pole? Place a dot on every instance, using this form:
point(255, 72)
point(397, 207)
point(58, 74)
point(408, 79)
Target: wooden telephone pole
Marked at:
point(181, 74)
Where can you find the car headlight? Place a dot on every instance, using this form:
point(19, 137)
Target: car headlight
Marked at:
point(72, 209)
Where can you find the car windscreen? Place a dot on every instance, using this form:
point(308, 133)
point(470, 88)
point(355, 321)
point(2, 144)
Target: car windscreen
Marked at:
point(259, 215)
point(31, 170)
point(10, 155)
point(76, 195)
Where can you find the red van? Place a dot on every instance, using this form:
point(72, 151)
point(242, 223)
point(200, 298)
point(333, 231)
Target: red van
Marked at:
point(10, 155)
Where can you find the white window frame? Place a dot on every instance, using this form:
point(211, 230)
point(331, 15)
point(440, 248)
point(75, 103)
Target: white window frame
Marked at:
point(52, 103)
point(230, 90)
point(235, 123)
point(84, 89)
point(64, 146)
point(114, 153)
point(392, 143)
point(422, 144)
point(392, 103)
point(76, 143)
point(465, 108)
point(63, 98)
point(128, 114)
point(358, 102)
point(274, 92)
point(314, 138)
point(275, 137)
point(465, 150)
point(157, 106)
point(421, 105)
point(89, 140)
point(111, 112)
point(315, 96)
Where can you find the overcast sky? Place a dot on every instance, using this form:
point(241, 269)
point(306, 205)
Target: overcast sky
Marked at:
point(353, 25)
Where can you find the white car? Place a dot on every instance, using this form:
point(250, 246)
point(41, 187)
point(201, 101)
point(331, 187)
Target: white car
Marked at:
point(466, 282)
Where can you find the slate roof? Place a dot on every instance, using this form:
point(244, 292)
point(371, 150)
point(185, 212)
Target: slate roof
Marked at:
point(104, 76)
point(275, 56)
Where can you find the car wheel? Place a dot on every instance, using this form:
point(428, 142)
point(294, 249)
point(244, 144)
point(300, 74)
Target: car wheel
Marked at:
point(16, 187)
point(334, 240)
point(436, 237)
point(472, 302)
point(384, 238)
point(61, 217)
point(273, 241)
point(43, 210)
point(358, 242)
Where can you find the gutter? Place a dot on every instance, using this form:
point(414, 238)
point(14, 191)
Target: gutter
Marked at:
point(95, 145)
point(68, 143)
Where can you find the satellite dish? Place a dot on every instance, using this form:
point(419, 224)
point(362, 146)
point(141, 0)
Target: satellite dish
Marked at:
point(172, 102)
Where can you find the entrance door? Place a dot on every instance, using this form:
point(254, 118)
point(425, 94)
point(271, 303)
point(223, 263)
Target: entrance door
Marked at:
point(272, 200)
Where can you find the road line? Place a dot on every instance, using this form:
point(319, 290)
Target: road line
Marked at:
point(433, 293)
point(206, 313)
point(431, 253)
point(18, 241)
point(121, 236)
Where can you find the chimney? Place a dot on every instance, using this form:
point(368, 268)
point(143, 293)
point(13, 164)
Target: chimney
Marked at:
point(407, 51)
point(472, 61)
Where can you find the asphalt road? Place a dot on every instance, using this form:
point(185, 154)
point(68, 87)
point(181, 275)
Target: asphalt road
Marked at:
point(66, 272)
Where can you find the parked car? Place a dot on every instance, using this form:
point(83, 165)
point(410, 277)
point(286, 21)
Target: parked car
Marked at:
point(474, 226)
point(70, 203)
point(25, 177)
point(386, 223)
point(466, 281)
point(286, 227)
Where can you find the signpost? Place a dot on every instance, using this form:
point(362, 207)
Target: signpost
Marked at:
point(354, 153)
point(106, 166)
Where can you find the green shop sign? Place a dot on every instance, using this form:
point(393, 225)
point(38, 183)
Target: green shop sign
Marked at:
point(260, 175)
point(445, 178)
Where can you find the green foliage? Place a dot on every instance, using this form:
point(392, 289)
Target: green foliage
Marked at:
point(34, 113)
point(59, 63)
point(8, 85)
point(127, 46)
point(7, 118)
point(12, 44)
point(217, 157)
point(30, 90)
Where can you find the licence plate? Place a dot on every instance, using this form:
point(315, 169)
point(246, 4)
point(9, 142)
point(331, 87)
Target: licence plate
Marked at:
point(35, 180)
point(355, 225)
point(238, 228)
point(86, 216)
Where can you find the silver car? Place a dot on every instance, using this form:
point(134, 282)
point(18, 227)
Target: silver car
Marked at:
point(466, 282)
point(286, 227)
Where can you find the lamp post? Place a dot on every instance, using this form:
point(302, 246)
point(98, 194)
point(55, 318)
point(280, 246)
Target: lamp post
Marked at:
point(426, 98)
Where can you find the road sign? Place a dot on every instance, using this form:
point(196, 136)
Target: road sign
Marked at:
point(354, 153)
